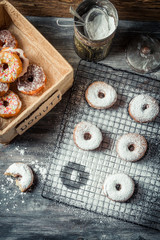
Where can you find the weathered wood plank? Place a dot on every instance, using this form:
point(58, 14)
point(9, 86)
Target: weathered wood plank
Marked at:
point(127, 10)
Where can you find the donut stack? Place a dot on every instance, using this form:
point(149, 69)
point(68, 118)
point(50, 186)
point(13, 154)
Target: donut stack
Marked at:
point(30, 79)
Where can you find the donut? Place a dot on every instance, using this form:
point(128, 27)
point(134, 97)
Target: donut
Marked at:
point(24, 60)
point(100, 95)
point(11, 67)
point(118, 187)
point(23, 173)
point(7, 39)
point(87, 136)
point(4, 87)
point(143, 108)
point(10, 105)
point(33, 81)
point(131, 147)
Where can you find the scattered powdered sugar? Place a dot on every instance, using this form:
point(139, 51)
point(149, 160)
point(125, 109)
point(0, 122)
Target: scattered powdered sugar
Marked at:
point(108, 98)
point(143, 108)
point(138, 144)
point(119, 187)
point(83, 128)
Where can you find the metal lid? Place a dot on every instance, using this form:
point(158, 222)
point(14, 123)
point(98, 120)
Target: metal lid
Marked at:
point(143, 54)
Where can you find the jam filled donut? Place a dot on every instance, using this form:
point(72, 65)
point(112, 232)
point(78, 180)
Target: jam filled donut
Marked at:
point(118, 187)
point(100, 95)
point(10, 67)
point(4, 87)
point(23, 173)
point(7, 39)
point(131, 147)
point(143, 108)
point(24, 60)
point(10, 105)
point(33, 81)
point(87, 136)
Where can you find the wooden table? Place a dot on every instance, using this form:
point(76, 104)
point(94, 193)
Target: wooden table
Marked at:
point(29, 216)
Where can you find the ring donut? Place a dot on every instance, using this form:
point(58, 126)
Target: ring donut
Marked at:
point(20, 53)
point(23, 173)
point(143, 108)
point(87, 136)
point(119, 187)
point(4, 87)
point(7, 39)
point(100, 95)
point(11, 67)
point(33, 81)
point(10, 105)
point(131, 147)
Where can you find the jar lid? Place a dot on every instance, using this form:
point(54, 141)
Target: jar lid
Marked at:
point(143, 54)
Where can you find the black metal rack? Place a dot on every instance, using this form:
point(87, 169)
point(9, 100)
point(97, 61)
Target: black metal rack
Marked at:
point(75, 177)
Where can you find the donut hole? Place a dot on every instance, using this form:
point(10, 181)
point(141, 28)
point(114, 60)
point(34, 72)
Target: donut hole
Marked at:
point(131, 147)
point(118, 187)
point(2, 43)
point(30, 79)
point(145, 106)
point(87, 136)
point(3, 66)
point(101, 94)
point(5, 103)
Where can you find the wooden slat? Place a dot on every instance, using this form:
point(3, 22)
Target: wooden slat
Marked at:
point(128, 10)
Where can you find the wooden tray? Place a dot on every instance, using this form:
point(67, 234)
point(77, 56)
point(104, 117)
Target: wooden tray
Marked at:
point(39, 51)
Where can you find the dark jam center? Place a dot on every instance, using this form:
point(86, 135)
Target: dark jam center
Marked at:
point(101, 95)
point(87, 136)
point(131, 147)
point(5, 103)
point(145, 106)
point(118, 187)
point(30, 79)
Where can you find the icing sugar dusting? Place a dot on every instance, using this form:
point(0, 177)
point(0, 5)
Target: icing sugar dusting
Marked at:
point(25, 173)
point(83, 128)
point(131, 139)
point(96, 88)
point(37, 76)
point(144, 108)
point(126, 187)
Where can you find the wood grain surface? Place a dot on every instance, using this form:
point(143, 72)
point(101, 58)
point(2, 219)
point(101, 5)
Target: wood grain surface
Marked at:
point(29, 216)
point(127, 10)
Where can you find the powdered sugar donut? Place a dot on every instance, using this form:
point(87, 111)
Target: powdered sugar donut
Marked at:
point(23, 173)
point(7, 39)
point(4, 87)
point(10, 105)
point(119, 187)
point(24, 60)
point(100, 95)
point(33, 81)
point(131, 147)
point(87, 136)
point(143, 108)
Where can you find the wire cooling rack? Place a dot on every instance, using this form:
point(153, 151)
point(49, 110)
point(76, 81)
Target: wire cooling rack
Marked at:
point(75, 177)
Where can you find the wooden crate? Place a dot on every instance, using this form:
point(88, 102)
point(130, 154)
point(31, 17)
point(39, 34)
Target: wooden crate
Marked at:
point(39, 51)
